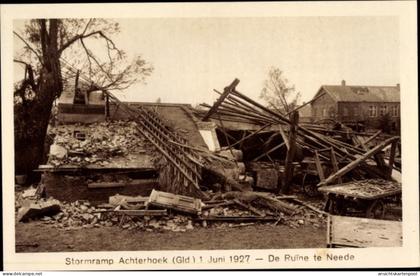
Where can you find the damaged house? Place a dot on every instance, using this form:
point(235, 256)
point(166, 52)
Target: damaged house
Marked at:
point(235, 152)
point(98, 151)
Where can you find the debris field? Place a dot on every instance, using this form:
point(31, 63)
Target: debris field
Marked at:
point(280, 171)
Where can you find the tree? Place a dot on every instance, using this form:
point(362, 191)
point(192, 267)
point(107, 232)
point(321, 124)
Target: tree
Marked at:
point(54, 49)
point(277, 92)
point(385, 123)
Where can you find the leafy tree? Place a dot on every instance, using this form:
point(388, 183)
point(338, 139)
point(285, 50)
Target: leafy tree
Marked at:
point(277, 92)
point(53, 49)
point(385, 123)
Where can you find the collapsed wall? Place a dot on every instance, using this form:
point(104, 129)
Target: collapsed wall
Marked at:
point(94, 161)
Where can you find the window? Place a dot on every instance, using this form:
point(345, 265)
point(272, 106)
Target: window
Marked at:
point(372, 111)
point(383, 110)
point(331, 112)
point(395, 111)
point(356, 111)
point(345, 111)
point(324, 112)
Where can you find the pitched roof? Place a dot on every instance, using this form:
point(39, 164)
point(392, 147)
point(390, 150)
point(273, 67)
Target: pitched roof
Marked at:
point(353, 93)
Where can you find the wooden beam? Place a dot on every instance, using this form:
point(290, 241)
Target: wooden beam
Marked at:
point(219, 101)
point(268, 152)
point(335, 165)
point(252, 134)
point(352, 165)
point(372, 137)
point(294, 119)
point(284, 136)
point(311, 101)
point(319, 166)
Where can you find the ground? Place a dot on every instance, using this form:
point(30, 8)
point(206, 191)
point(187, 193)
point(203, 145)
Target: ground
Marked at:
point(40, 237)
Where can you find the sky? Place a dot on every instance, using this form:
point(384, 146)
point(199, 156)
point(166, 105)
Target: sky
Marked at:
point(193, 56)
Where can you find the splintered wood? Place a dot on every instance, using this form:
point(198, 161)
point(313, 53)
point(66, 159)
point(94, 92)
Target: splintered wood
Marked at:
point(237, 107)
point(364, 189)
point(182, 173)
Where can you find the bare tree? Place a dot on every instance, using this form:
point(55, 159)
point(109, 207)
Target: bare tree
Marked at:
point(53, 50)
point(277, 92)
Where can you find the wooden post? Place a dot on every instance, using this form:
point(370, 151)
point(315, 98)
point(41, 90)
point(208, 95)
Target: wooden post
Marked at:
point(371, 138)
point(294, 119)
point(392, 158)
point(284, 136)
point(106, 106)
point(76, 83)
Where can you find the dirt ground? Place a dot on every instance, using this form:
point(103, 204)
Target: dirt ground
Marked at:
point(40, 237)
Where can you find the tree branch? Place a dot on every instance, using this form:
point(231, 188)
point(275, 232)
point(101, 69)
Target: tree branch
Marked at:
point(29, 46)
point(83, 36)
point(20, 61)
point(91, 56)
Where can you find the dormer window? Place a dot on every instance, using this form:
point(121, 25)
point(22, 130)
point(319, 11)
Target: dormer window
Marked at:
point(361, 90)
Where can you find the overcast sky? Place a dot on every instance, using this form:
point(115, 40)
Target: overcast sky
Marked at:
point(191, 56)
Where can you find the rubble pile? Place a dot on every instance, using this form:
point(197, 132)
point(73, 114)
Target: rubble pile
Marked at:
point(94, 143)
point(140, 214)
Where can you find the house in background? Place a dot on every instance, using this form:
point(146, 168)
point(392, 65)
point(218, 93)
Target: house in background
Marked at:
point(354, 104)
point(305, 113)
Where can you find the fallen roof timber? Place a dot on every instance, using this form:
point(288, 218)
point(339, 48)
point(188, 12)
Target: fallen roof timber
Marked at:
point(307, 137)
point(185, 164)
point(355, 163)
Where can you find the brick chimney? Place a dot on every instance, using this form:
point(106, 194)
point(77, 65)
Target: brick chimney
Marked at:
point(343, 83)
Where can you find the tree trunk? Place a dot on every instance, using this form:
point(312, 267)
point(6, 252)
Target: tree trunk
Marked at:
point(34, 118)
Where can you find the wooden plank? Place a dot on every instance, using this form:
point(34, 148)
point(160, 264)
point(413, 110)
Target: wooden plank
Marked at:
point(177, 202)
point(352, 165)
point(363, 232)
point(319, 167)
point(237, 219)
point(364, 189)
point(142, 212)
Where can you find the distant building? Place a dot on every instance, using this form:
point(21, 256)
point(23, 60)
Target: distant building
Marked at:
point(351, 104)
